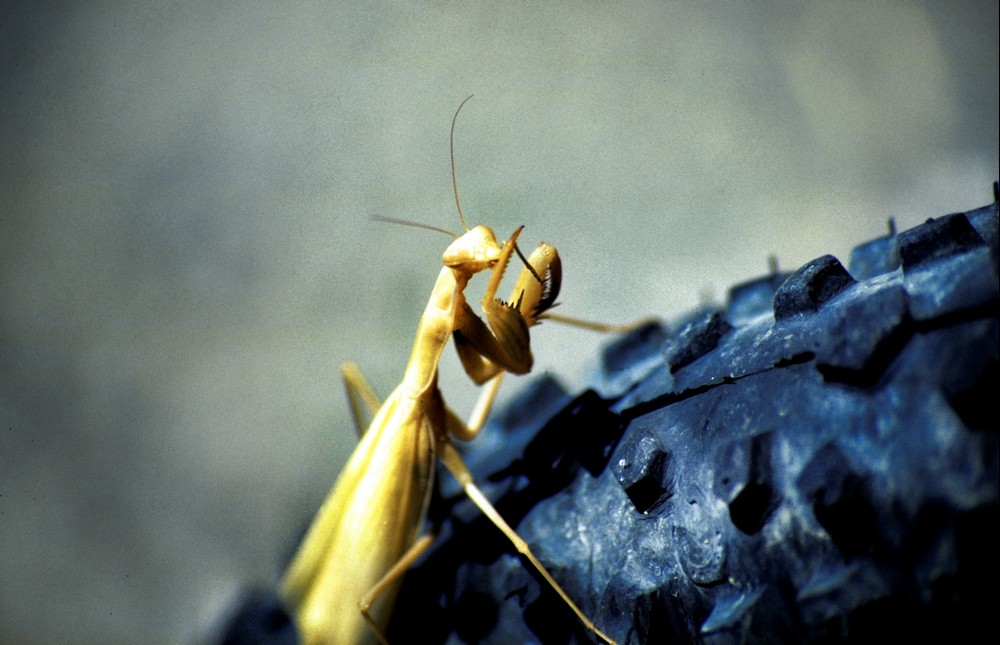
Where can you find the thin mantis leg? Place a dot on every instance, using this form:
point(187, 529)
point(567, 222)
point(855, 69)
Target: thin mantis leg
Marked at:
point(484, 404)
point(363, 401)
point(453, 461)
point(391, 576)
point(596, 326)
point(467, 431)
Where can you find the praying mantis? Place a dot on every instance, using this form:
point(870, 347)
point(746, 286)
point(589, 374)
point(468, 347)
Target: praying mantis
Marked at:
point(343, 580)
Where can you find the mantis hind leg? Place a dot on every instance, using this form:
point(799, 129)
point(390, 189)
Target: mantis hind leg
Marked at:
point(453, 461)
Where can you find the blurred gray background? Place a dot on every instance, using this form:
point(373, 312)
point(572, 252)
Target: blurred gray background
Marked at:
point(187, 254)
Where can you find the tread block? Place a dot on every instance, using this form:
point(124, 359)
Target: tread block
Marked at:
point(696, 339)
point(937, 239)
point(642, 469)
point(809, 288)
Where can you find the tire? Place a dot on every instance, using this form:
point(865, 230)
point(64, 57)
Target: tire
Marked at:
point(816, 461)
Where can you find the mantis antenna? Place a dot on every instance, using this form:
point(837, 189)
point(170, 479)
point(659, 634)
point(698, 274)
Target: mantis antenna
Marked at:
point(406, 222)
point(454, 181)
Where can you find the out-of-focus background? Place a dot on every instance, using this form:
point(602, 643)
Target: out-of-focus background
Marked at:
point(187, 254)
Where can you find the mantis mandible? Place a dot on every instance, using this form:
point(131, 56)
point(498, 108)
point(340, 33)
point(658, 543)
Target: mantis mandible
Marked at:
point(342, 582)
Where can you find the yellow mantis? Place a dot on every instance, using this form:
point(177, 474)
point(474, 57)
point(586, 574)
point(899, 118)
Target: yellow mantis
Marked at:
point(341, 584)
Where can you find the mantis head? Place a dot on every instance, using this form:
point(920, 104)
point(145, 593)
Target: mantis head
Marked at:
point(476, 250)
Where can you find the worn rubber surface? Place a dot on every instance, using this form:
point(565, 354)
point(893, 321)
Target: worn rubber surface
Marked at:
point(816, 461)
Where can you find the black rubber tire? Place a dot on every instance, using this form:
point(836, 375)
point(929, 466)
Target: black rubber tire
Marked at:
point(817, 461)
